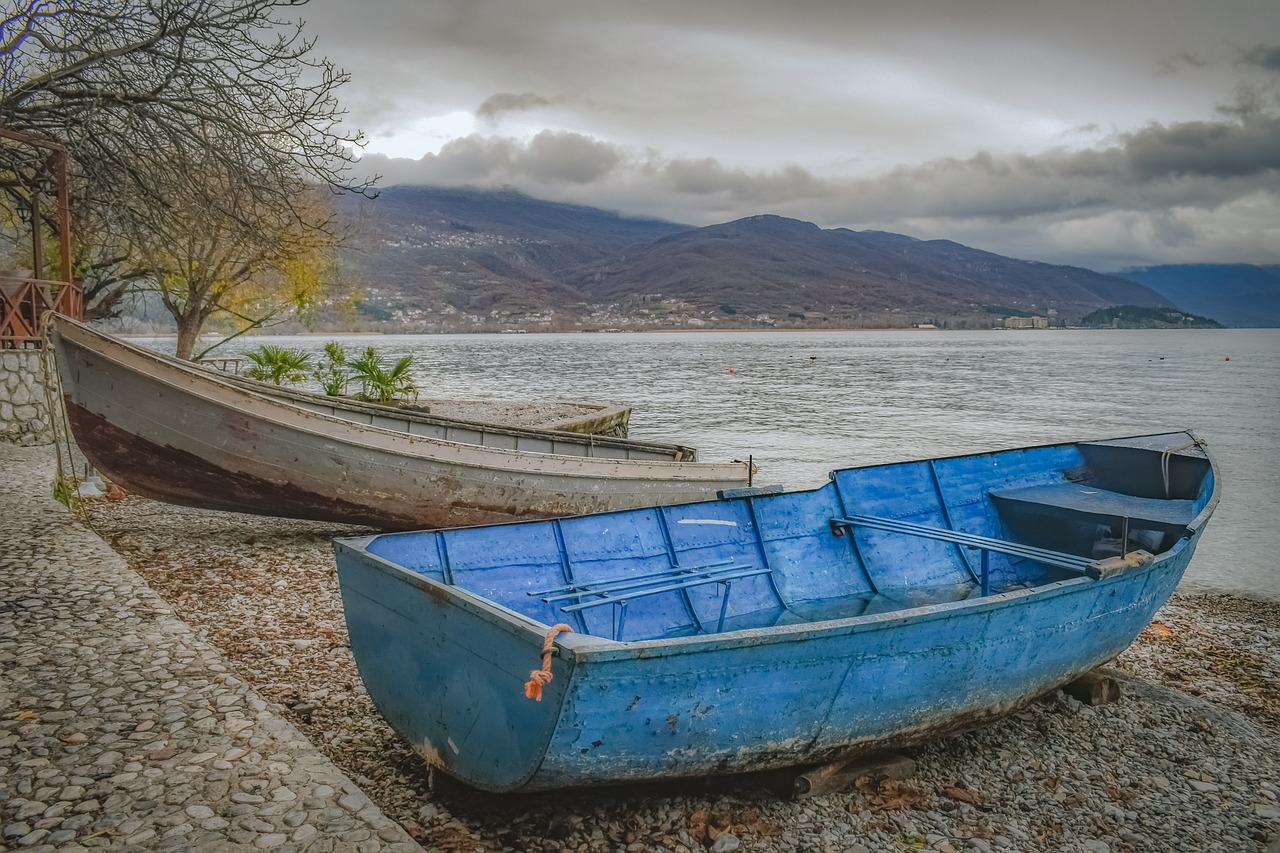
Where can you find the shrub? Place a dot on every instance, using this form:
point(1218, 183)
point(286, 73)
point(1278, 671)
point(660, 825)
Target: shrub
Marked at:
point(379, 384)
point(333, 374)
point(278, 365)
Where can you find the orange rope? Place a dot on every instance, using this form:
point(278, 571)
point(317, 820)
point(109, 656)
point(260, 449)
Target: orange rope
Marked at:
point(539, 677)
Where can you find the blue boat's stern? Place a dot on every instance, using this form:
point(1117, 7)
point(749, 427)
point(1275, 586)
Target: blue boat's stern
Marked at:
point(447, 674)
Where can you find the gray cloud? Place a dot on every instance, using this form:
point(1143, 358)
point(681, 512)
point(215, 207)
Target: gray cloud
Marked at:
point(1264, 56)
point(1052, 131)
point(506, 102)
point(1215, 149)
point(549, 157)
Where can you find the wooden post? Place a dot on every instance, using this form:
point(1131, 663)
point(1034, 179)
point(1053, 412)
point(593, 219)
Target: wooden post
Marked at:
point(58, 162)
point(37, 239)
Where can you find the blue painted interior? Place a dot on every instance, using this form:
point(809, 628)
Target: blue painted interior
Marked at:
point(1066, 498)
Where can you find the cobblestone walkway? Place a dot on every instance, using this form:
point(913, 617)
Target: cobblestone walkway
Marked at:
point(121, 730)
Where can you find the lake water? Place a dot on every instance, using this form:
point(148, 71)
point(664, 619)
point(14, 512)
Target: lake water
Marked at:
point(803, 403)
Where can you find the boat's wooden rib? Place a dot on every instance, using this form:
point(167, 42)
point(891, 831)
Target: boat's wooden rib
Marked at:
point(178, 433)
point(895, 604)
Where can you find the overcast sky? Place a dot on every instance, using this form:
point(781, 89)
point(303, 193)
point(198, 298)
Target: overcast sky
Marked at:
point(1103, 133)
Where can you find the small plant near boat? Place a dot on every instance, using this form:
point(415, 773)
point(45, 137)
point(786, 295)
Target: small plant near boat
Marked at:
point(65, 493)
point(333, 373)
point(277, 365)
point(379, 384)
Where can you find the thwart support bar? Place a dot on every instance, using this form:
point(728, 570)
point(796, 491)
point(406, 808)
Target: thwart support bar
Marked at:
point(1070, 562)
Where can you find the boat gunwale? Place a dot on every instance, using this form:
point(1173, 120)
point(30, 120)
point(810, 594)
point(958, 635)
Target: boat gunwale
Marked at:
point(532, 462)
point(592, 648)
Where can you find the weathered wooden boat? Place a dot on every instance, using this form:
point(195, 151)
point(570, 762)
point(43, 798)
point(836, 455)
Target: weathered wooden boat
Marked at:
point(894, 604)
point(175, 432)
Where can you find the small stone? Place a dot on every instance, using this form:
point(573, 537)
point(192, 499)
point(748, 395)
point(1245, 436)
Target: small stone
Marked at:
point(33, 838)
point(725, 843)
point(353, 802)
point(30, 809)
point(15, 830)
point(199, 812)
point(271, 839)
point(141, 837)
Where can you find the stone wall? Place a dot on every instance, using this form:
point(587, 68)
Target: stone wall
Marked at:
point(24, 417)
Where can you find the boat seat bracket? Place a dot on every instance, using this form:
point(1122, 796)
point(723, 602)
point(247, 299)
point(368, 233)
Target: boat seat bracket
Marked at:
point(1059, 559)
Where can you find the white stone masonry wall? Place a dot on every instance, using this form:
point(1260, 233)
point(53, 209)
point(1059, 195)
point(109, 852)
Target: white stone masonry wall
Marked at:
point(24, 417)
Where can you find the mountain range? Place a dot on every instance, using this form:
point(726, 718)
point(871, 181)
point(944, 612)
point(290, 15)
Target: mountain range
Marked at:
point(433, 259)
point(1232, 294)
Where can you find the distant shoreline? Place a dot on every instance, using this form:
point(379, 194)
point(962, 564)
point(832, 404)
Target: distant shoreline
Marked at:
point(358, 334)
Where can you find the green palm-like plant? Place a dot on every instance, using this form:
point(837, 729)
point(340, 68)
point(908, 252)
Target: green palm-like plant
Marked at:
point(379, 384)
point(333, 374)
point(278, 365)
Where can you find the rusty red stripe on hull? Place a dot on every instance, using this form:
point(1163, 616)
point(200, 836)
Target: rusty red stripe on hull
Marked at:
point(176, 476)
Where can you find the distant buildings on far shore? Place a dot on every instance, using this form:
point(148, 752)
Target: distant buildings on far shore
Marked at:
point(1026, 322)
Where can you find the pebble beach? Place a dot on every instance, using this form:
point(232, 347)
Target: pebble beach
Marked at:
point(180, 679)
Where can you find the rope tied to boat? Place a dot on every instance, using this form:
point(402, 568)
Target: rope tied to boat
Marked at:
point(539, 677)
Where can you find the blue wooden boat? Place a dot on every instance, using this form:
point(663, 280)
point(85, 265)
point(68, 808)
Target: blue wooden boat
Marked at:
point(892, 605)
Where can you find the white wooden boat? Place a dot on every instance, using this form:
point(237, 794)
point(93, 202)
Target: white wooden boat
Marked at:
point(174, 432)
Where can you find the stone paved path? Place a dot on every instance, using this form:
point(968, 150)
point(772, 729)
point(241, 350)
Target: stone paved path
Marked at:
point(121, 730)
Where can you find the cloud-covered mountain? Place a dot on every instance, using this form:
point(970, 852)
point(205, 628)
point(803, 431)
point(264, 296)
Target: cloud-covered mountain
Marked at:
point(457, 258)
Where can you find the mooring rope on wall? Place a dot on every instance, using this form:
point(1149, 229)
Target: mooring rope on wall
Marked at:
point(59, 425)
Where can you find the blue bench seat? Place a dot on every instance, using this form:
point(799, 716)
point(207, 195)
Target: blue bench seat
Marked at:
point(1078, 499)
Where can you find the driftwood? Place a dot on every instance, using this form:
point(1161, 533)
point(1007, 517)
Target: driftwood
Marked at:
point(838, 775)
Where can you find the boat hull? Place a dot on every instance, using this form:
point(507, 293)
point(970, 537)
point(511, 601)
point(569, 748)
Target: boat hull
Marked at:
point(730, 704)
point(895, 604)
point(176, 434)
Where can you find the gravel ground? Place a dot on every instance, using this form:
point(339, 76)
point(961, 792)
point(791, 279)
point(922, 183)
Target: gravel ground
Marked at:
point(1189, 760)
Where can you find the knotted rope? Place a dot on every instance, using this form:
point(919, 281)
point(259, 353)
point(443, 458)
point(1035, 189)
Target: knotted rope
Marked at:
point(539, 677)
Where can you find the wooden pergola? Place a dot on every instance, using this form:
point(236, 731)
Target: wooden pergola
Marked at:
point(26, 295)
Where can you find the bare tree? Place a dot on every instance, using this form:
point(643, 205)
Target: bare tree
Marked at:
point(152, 97)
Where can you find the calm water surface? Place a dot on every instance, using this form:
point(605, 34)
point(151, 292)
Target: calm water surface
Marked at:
point(804, 403)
